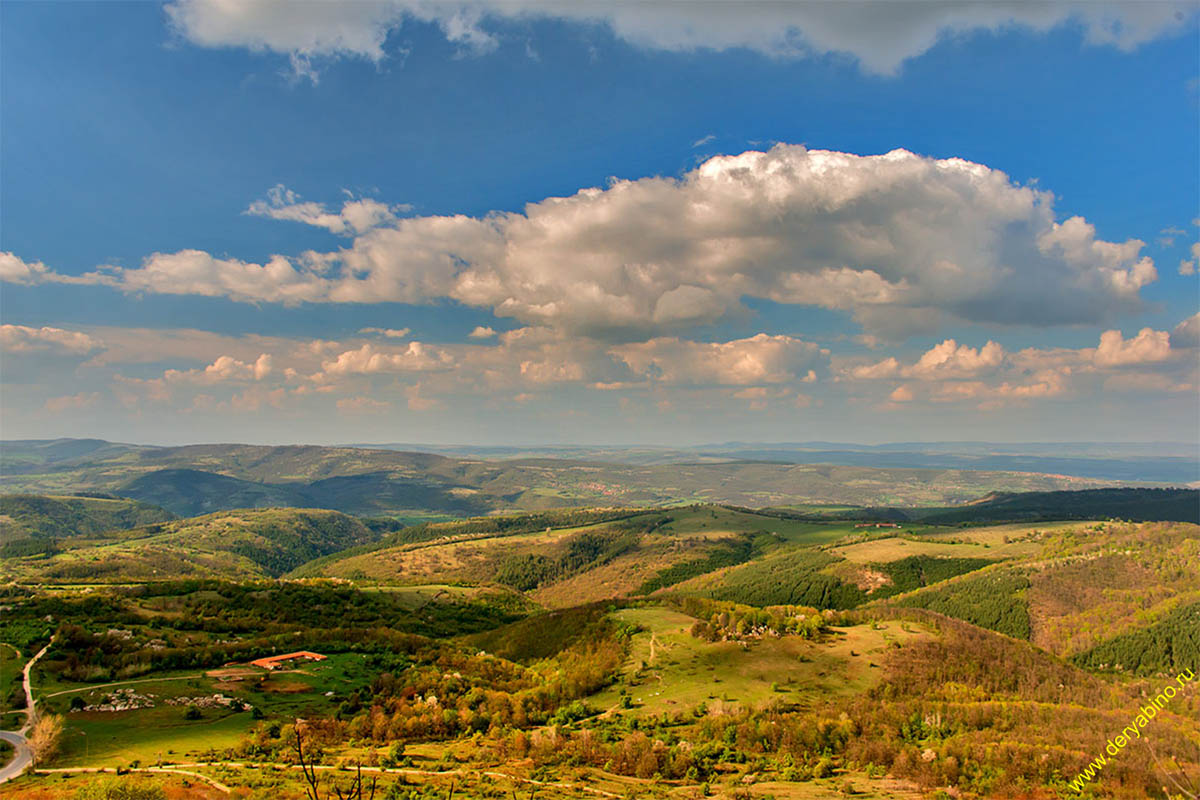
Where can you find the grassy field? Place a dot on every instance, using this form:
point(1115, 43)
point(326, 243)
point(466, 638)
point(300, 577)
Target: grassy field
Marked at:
point(11, 663)
point(690, 530)
point(147, 736)
point(162, 731)
point(670, 671)
point(881, 551)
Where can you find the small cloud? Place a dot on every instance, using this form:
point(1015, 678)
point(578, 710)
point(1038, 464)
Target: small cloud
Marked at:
point(901, 394)
point(1187, 333)
point(357, 215)
point(72, 402)
point(390, 333)
point(482, 332)
point(1188, 266)
point(417, 401)
point(24, 339)
point(703, 140)
point(1169, 235)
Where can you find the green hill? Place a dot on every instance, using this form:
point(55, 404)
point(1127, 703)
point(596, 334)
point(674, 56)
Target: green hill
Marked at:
point(189, 492)
point(49, 517)
point(239, 544)
point(1140, 505)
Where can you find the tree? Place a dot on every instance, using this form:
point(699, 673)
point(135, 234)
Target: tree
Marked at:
point(355, 791)
point(46, 737)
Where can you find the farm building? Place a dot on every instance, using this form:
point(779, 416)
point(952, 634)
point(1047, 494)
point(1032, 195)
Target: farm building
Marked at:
point(274, 662)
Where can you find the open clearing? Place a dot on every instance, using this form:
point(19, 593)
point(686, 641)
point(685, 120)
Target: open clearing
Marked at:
point(893, 548)
point(162, 731)
point(670, 671)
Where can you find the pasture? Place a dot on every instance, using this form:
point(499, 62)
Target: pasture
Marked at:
point(669, 671)
point(894, 548)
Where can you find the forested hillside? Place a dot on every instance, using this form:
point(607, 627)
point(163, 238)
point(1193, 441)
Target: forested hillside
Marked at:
point(35, 516)
point(230, 544)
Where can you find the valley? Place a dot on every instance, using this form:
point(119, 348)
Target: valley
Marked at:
point(658, 652)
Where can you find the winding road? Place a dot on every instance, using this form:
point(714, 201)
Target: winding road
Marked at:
point(23, 755)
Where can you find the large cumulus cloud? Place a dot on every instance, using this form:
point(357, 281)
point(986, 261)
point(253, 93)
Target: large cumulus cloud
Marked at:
point(898, 240)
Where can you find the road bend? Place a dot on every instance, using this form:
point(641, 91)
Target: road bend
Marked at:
point(22, 752)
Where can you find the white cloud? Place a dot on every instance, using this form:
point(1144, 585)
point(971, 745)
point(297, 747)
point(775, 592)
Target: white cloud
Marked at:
point(15, 270)
point(1187, 333)
point(388, 333)
point(368, 359)
point(992, 377)
point(482, 332)
point(74, 402)
point(880, 35)
point(951, 360)
point(1147, 347)
point(742, 362)
point(356, 216)
point(195, 272)
point(948, 359)
point(417, 401)
point(1169, 234)
point(24, 339)
point(900, 241)
point(225, 369)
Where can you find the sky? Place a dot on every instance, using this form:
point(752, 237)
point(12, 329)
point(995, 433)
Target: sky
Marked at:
point(599, 223)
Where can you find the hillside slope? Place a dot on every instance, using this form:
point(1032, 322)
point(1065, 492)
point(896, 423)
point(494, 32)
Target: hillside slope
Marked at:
point(1141, 505)
point(50, 517)
point(241, 544)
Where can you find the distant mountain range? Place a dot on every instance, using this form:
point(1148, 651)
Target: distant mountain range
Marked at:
point(198, 479)
point(1156, 462)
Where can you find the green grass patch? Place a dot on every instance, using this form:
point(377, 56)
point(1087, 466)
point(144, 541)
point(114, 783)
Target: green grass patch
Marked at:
point(670, 671)
point(148, 735)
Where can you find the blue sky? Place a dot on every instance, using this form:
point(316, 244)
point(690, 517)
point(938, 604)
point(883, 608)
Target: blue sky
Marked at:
point(156, 159)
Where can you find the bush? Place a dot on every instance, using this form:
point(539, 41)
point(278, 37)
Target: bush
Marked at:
point(114, 789)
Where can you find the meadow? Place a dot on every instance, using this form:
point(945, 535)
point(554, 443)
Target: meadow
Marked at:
point(672, 652)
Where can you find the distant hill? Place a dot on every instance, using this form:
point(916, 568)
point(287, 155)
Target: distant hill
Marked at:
point(32, 455)
point(190, 492)
point(241, 544)
point(50, 517)
point(1168, 462)
point(1180, 505)
point(200, 478)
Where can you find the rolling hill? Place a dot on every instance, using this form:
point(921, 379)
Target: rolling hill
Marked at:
point(202, 478)
point(35, 517)
point(1180, 505)
point(244, 544)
